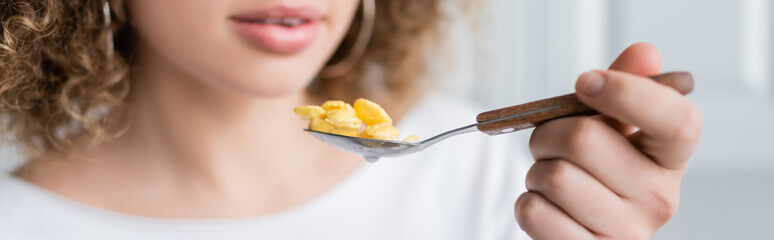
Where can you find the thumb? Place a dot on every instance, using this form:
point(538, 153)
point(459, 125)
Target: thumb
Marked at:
point(641, 59)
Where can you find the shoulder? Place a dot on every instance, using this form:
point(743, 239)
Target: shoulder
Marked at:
point(13, 194)
point(15, 212)
point(483, 173)
point(474, 160)
point(28, 212)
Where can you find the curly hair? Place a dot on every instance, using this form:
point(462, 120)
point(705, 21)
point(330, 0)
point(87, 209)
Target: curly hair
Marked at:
point(61, 87)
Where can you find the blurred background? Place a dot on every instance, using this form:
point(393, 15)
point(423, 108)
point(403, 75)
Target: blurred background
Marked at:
point(523, 50)
point(536, 49)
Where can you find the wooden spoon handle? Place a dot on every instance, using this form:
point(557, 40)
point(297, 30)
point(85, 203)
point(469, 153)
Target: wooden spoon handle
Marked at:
point(531, 114)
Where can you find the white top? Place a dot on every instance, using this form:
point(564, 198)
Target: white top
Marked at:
point(461, 188)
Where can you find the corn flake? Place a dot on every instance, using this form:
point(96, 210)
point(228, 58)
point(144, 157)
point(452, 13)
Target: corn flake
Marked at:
point(412, 138)
point(310, 112)
point(336, 104)
point(383, 131)
point(371, 113)
point(320, 125)
point(346, 132)
point(343, 118)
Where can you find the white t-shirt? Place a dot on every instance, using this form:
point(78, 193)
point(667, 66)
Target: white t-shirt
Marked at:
point(461, 188)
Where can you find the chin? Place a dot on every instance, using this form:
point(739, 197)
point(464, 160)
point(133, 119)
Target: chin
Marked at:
point(267, 85)
point(271, 90)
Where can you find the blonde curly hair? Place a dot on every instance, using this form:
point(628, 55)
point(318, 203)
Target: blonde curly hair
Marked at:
point(61, 88)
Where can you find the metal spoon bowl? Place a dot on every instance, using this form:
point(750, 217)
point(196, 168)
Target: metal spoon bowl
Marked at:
point(373, 149)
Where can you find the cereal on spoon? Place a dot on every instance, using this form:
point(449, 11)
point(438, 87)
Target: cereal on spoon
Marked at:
point(366, 120)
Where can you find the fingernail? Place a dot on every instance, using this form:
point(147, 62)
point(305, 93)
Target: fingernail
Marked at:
point(591, 83)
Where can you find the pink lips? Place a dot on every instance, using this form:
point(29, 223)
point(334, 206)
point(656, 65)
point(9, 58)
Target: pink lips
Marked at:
point(283, 29)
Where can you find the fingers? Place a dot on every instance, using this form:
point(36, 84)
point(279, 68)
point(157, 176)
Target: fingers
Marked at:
point(639, 59)
point(541, 219)
point(570, 187)
point(596, 148)
point(593, 150)
point(670, 125)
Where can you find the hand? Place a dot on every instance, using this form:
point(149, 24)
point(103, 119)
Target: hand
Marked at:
point(601, 178)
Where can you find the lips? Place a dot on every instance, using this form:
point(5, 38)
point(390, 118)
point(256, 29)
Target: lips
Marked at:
point(282, 29)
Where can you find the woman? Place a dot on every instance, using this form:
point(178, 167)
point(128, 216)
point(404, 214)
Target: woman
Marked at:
point(172, 119)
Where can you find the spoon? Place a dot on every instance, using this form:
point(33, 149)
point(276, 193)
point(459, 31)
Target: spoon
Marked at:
point(495, 122)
